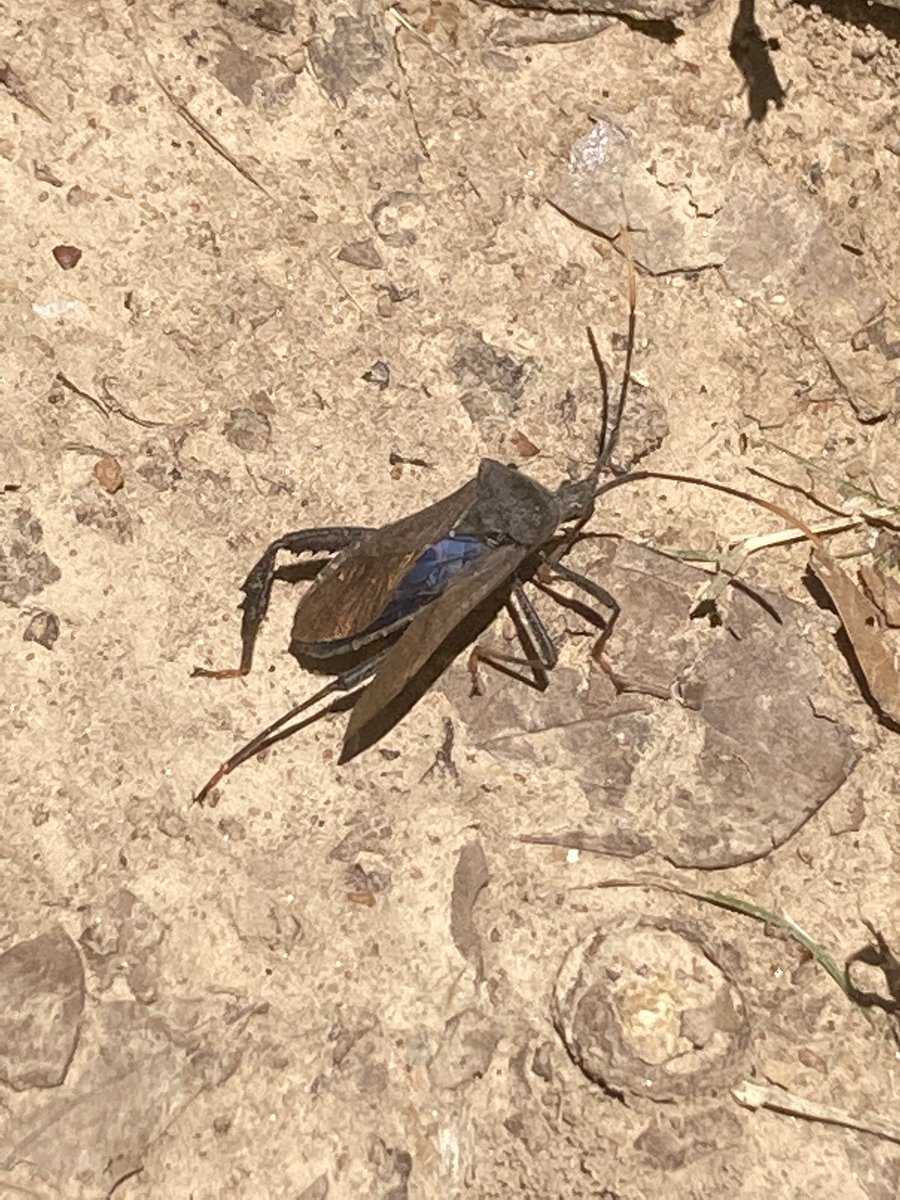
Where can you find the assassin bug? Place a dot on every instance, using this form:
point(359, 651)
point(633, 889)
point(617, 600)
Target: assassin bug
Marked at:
point(392, 606)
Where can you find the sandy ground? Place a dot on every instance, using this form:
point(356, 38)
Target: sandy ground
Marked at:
point(255, 257)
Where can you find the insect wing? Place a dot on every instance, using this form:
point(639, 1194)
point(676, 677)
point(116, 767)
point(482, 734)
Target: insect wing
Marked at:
point(429, 577)
point(353, 590)
point(384, 701)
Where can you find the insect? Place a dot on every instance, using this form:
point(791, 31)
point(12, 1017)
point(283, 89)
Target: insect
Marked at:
point(392, 606)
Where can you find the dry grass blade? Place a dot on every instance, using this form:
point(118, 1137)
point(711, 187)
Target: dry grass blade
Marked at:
point(748, 909)
point(788, 925)
point(750, 543)
point(754, 1095)
point(883, 512)
point(417, 33)
point(861, 619)
point(728, 564)
point(190, 120)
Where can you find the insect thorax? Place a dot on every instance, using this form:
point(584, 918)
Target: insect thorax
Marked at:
point(509, 508)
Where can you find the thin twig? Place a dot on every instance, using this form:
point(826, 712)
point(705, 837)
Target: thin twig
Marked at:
point(76, 390)
point(121, 410)
point(403, 20)
point(207, 136)
point(109, 405)
point(406, 96)
point(336, 279)
point(193, 122)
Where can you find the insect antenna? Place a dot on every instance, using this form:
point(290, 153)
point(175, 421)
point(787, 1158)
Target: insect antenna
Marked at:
point(588, 489)
point(611, 418)
point(604, 436)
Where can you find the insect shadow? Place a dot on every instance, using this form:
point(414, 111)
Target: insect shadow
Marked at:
point(391, 607)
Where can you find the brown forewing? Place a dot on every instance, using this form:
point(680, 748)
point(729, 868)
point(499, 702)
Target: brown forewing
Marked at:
point(430, 629)
point(355, 587)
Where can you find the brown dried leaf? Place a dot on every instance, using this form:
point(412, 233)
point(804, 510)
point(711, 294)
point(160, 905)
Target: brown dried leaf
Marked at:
point(862, 626)
point(525, 447)
point(711, 747)
point(136, 1074)
point(884, 592)
point(41, 1001)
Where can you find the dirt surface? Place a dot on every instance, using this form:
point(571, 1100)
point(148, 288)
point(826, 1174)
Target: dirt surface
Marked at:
point(254, 253)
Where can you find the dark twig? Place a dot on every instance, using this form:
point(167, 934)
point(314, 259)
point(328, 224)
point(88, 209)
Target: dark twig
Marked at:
point(193, 122)
point(67, 383)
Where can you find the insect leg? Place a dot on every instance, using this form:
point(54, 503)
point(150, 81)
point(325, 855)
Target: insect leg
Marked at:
point(534, 639)
point(535, 629)
point(594, 590)
point(257, 587)
point(280, 728)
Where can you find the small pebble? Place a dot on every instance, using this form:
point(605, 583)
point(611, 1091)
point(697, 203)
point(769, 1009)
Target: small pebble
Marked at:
point(379, 373)
point(67, 256)
point(362, 254)
point(109, 474)
point(43, 628)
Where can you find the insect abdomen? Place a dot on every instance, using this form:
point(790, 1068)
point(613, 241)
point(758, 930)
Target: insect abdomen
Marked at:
point(428, 577)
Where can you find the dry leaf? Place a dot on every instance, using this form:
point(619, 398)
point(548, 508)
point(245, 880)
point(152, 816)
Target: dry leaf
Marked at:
point(135, 1075)
point(884, 592)
point(525, 447)
point(721, 725)
point(862, 625)
point(470, 876)
point(41, 1002)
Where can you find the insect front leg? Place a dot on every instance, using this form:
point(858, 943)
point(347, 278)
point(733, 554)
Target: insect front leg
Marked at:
point(594, 590)
point(257, 587)
point(535, 640)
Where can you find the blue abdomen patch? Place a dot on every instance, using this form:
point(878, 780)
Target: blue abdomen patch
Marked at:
point(428, 577)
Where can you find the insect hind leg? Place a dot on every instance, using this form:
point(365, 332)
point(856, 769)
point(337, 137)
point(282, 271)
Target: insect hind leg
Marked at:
point(595, 590)
point(257, 587)
point(348, 683)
